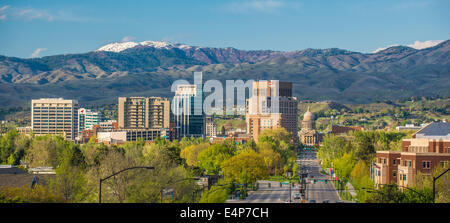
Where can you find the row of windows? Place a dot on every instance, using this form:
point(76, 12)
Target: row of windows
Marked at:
point(52, 126)
point(53, 120)
point(53, 110)
point(59, 107)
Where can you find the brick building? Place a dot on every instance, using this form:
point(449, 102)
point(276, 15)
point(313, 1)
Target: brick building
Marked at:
point(427, 149)
point(339, 130)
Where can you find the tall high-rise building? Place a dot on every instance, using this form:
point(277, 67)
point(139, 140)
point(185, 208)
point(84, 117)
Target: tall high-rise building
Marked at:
point(87, 119)
point(187, 111)
point(54, 116)
point(271, 106)
point(144, 113)
point(210, 127)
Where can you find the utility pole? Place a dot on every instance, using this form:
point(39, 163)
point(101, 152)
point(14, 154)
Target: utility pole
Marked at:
point(434, 183)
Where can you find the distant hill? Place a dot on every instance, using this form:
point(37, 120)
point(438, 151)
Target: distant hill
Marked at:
point(149, 68)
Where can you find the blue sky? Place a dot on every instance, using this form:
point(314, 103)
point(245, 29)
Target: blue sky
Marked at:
point(30, 28)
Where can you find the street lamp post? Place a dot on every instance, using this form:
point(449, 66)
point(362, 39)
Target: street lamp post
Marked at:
point(289, 173)
point(114, 174)
point(434, 183)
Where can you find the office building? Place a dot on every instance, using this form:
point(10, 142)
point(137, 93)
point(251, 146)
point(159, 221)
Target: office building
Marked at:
point(271, 106)
point(187, 115)
point(87, 119)
point(127, 135)
point(211, 127)
point(55, 116)
point(109, 125)
point(143, 113)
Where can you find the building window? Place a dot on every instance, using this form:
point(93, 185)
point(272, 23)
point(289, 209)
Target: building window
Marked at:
point(408, 163)
point(395, 174)
point(394, 161)
point(426, 164)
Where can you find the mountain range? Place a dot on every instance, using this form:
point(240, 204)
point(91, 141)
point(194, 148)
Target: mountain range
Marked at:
point(149, 68)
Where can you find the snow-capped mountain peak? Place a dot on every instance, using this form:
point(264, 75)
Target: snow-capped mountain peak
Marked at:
point(121, 46)
point(117, 47)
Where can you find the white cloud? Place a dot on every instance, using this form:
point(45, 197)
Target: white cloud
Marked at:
point(425, 44)
point(30, 14)
point(416, 45)
point(264, 6)
point(127, 39)
point(3, 13)
point(37, 52)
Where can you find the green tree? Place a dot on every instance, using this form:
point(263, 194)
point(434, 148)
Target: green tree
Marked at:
point(70, 179)
point(211, 159)
point(250, 162)
point(344, 165)
point(365, 149)
point(387, 194)
point(7, 145)
point(190, 153)
point(217, 194)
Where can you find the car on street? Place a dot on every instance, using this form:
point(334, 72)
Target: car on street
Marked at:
point(312, 201)
point(297, 196)
point(326, 201)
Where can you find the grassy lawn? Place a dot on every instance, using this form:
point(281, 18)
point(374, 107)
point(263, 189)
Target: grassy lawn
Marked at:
point(230, 123)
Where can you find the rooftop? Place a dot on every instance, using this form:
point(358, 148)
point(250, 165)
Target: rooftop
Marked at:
point(435, 130)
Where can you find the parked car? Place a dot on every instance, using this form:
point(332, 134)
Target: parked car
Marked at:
point(312, 201)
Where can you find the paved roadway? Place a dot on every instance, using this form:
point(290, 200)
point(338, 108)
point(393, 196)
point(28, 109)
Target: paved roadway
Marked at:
point(275, 194)
point(320, 191)
point(266, 194)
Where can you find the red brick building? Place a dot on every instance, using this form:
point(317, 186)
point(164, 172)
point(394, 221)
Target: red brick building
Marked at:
point(338, 130)
point(427, 149)
point(88, 133)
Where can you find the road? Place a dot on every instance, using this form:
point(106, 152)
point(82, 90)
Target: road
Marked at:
point(319, 191)
point(266, 194)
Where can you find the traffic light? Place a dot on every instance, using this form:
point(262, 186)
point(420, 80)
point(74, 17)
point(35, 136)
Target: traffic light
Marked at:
point(314, 181)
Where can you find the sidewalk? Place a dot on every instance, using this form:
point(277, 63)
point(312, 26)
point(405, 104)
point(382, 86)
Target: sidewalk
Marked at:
point(351, 189)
